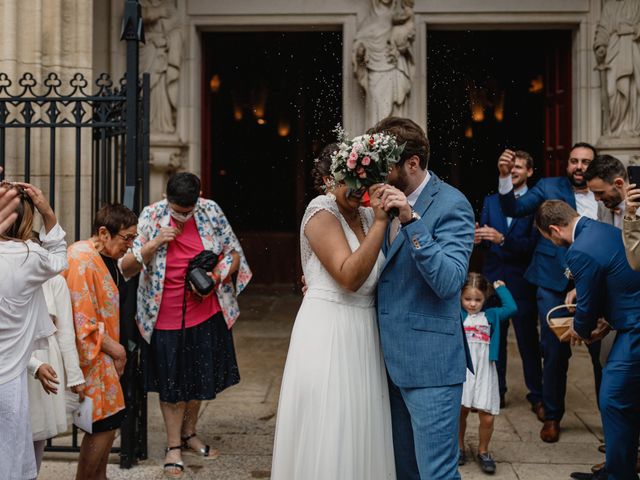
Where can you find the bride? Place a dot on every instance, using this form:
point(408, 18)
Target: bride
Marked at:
point(333, 417)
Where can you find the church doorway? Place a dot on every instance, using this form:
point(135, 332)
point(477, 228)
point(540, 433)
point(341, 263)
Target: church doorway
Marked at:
point(491, 90)
point(270, 103)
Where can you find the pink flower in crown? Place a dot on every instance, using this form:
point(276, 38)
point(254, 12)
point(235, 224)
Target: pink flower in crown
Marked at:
point(361, 173)
point(366, 161)
point(352, 160)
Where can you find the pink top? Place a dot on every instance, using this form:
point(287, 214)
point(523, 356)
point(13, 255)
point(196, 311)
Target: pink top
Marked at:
point(186, 246)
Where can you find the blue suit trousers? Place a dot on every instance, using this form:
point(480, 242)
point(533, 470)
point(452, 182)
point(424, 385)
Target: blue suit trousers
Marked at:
point(620, 406)
point(525, 324)
point(556, 358)
point(425, 431)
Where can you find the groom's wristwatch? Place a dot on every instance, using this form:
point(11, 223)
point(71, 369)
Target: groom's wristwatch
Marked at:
point(414, 217)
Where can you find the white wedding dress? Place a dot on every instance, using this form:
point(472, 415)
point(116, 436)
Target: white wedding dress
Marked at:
point(334, 421)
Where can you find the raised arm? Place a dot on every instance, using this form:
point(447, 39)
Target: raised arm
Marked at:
point(327, 239)
point(508, 306)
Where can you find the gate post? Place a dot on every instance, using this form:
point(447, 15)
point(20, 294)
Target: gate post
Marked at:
point(133, 34)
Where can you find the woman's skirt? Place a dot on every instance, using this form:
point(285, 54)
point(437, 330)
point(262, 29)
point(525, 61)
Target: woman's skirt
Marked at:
point(196, 363)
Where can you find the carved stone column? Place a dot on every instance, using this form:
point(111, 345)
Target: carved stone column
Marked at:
point(40, 37)
point(617, 50)
point(383, 59)
point(161, 56)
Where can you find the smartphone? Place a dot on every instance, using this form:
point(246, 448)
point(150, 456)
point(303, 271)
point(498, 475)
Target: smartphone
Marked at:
point(634, 175)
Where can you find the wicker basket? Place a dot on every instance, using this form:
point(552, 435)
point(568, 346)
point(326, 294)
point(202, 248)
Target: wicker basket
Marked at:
point(560, 325)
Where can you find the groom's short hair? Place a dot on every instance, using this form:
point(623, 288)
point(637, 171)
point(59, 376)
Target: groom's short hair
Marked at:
point(408, 132)
point(554, 212)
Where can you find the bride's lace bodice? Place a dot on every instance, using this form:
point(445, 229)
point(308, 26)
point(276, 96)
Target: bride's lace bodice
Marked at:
point(316, 276)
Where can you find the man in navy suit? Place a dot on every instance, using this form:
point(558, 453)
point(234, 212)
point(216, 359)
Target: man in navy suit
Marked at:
point(510, 243)
point(608, 288)
point(547, 268)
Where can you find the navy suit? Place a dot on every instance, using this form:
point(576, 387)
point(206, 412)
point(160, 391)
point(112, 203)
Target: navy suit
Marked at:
point(608, 287)
point(546, 271)
point(508, 262)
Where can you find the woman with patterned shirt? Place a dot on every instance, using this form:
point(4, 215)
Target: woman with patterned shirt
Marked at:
point(94, 282)
point(191, 356)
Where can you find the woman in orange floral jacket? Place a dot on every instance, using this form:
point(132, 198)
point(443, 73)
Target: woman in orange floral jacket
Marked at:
point(94, 281)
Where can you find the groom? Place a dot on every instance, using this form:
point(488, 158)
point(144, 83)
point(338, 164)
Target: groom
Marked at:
point(427, 250)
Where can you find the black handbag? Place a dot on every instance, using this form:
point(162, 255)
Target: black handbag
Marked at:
point(199, 266)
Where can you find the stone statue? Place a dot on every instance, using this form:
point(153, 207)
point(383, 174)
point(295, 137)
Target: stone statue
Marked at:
point(160, 56)
point(617, 51)
point(383, 58)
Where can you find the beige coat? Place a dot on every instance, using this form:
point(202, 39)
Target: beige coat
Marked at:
point(631, 237)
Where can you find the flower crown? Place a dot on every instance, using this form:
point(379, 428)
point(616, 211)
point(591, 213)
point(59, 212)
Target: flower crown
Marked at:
point(364, 160)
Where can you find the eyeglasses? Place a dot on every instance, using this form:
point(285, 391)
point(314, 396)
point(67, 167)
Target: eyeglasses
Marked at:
point(128, 238)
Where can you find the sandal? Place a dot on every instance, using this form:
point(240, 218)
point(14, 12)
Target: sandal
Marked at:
point(179, 466)
point(206, 451)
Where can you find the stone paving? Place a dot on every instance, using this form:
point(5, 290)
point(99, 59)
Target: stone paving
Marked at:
point(240, 422)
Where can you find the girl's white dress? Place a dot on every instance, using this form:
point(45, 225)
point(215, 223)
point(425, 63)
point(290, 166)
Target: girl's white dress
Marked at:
point(334, 421)
point(48, 412)
point(481, 390)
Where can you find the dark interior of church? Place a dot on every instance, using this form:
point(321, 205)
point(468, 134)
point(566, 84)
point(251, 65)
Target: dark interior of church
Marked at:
point(487, 92)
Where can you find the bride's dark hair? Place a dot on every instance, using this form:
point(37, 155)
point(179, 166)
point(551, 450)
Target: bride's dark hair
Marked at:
point(322, 166)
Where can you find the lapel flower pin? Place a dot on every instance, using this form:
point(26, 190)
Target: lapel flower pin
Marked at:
point(568, 274)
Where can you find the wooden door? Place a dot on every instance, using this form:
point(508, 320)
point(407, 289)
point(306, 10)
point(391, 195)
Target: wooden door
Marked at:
point(557, 102)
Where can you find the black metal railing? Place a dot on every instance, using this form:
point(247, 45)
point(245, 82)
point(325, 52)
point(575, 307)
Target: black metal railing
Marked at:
point(110, 123)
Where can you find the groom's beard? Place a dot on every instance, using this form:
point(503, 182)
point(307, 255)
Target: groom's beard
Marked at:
point(401, 182)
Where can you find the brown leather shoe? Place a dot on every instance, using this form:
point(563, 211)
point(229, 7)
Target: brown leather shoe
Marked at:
point(550, 432)
point(596, 468)
point(538, 409)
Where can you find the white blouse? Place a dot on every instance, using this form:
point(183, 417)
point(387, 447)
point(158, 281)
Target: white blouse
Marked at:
point(24, 319)
point(58, 298)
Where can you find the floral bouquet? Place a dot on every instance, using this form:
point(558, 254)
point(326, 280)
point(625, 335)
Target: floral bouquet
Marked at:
point(364, 160)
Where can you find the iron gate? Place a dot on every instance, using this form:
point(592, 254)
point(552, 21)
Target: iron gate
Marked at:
point(109, 123)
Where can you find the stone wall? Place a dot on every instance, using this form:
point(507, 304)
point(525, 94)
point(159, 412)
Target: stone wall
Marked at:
point(40, 37)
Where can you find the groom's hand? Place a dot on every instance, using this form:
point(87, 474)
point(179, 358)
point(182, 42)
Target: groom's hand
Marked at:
point(391, 197)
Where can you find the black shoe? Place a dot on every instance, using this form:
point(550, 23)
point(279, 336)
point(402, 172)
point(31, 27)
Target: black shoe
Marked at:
point(462, 459)
point(486, 463)
point(600, 475)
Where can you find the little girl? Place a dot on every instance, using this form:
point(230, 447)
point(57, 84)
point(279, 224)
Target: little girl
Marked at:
point(480, 391)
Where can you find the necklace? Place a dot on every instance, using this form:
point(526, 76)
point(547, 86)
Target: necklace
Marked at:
point(112, 266)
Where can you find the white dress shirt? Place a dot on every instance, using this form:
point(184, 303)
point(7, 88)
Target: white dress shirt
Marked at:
point(518, 193)
point(412, 198)
point(618, 213)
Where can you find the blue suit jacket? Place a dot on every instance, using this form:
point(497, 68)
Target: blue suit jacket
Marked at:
point(605, 283)
point(509, 261)
point(419, 291)
point(548, 264)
